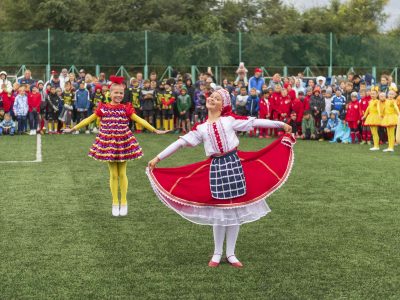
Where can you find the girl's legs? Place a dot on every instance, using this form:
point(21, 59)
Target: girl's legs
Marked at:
point(375, 136)
point(123, 184)
point(113, 167)
point(232, 233)
point(219, 236)
point(391, 136)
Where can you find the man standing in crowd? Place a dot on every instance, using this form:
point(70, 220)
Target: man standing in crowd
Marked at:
point(257, 81)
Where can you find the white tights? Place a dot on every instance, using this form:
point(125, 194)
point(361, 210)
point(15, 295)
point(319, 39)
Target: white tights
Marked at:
point(232, 233)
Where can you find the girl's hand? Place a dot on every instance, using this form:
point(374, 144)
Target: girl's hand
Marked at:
point(153, 162)
point(287, 128)
point(68, 130)
point(161, 131)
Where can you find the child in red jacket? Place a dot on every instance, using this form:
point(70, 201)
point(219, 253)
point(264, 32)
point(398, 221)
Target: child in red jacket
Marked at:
point(284, 108)
point(264, 113)
point(34, 102)
point(298, 108)
point(274, 101)
point(366, 131)
point(353, 117)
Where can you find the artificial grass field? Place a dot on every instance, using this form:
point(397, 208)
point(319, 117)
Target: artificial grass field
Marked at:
point(334, 229)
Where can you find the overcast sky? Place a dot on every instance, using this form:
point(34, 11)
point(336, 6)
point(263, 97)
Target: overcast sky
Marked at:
point(392, 9)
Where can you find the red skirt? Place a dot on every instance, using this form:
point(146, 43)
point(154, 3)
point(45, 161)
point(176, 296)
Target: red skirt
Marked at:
point(186, 189)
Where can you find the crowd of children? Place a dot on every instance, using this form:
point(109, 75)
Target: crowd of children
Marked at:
point(352, 109)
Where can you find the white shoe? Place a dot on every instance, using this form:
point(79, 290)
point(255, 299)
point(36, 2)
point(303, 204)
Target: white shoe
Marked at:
point(87, 132)
point(115, 210)
point(388, 150)
point(31, 132)
point(374, 149)
point(76, 132)
point(95, 130)
point(123, 211)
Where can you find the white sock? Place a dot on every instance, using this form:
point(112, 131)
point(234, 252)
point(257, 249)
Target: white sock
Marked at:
point(219, 236)
point(232, 233)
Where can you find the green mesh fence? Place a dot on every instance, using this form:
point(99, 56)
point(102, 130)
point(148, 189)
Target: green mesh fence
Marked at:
point(134, 50)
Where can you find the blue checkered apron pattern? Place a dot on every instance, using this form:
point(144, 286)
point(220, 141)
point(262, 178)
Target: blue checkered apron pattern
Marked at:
point(226, 176)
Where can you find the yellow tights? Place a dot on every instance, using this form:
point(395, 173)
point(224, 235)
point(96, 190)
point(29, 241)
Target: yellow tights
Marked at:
point(375, 136)
point(391, 136)
point(118, 171)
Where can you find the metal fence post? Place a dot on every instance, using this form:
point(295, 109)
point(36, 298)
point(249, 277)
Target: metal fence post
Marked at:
point(285, 71)
point(97, 70)
point(240, 46)
point(330, 54)
point(48, 55)
point(146, 70)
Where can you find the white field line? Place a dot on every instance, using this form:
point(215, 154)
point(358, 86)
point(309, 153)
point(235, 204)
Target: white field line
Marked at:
point(38, 154)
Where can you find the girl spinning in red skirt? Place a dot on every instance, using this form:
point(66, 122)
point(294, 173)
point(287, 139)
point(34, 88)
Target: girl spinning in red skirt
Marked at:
point(230, 187)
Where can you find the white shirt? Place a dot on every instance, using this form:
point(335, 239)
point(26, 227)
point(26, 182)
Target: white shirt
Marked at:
point(219, 136)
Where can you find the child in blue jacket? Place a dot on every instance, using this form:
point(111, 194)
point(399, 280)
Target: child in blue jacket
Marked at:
point(82, 104)
point(252, 107)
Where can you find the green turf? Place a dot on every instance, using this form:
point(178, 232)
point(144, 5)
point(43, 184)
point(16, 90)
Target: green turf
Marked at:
point(17, 148)
point(333, 231)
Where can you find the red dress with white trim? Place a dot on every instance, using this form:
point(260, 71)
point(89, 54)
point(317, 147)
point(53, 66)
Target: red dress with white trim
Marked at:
point(230, 187)
point(115, 141)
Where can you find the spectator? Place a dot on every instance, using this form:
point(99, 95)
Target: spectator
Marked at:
point(7, 126)
point(323, 126)
point(102, 78)
point(63, 78)
point(139, 78)
point(328, 101)
point(81, 76)
point(256, 81)
point(34, 103)
point(183, 104)
point(21, 109)
point(242, 74)
point(308, 126)
point(5, 84)
point(82, 104)
point(26, 79)
point(317, 105)
point(147, 99)
point(253, 106)
point(276, 80)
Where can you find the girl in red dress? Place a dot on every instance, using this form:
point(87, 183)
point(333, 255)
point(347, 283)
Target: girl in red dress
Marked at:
point(115, 143)
point(229, 188)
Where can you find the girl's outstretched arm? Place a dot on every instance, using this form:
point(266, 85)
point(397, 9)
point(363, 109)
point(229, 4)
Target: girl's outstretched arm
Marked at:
point(145, 124)
point(83, 123)
point(171, 149)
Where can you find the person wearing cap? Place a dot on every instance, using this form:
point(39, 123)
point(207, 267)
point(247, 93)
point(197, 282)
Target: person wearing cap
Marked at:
point(55, 79)
point(81, 76)
point(229, 188)
point(5, 84)
point(257, 81)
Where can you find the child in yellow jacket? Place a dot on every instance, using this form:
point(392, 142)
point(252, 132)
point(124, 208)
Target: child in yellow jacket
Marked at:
point(372, 119)
point(390, 118)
